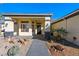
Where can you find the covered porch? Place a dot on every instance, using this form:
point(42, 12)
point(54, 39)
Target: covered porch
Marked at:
point(28, 26)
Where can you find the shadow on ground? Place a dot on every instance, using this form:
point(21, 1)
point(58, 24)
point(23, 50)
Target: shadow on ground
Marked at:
point(62, 41)
point(39, 37)
point(67, 43)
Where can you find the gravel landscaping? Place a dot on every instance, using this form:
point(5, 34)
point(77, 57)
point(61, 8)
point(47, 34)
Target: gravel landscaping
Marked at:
point(14, 47)
point(63, 48)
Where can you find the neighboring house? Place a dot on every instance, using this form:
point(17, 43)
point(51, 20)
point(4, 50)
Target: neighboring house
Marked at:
point(70, 23)
point(26, 24)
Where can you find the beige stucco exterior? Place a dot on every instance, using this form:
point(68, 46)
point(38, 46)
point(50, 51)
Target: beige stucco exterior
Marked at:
point(59, 25)
point(36, 23)
point(71, 24)
point(73, 29)
point(30, 20)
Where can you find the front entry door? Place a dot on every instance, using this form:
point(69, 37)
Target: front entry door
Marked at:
point(38, 29)
point(33, 30)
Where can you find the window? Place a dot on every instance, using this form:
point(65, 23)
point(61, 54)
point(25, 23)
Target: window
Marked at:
point(24, 26)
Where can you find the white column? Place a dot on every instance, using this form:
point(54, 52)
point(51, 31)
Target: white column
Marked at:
point(47, 24)
point(9, 25)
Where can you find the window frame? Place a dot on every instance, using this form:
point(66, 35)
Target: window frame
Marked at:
point(24, 26)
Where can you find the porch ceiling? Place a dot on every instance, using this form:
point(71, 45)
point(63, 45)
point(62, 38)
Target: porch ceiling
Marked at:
point(38, 20)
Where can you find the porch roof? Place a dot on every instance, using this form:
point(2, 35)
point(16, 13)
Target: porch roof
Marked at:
point(18, 14)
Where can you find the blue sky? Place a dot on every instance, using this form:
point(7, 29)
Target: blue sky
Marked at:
point(57, 9)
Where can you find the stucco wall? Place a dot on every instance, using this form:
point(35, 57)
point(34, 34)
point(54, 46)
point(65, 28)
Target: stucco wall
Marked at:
point(59, 25)
point(10, 27)
point(73, 29)
point(72, 26)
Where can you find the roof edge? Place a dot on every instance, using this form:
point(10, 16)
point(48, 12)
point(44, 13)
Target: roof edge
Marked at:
point(69, 14)
point(18, 14)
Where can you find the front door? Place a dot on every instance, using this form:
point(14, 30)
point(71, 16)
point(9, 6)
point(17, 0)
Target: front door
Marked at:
point(38, 29)
point(33, 30)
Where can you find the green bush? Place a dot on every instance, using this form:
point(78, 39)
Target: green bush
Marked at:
point(13, 51)
point(59, 33)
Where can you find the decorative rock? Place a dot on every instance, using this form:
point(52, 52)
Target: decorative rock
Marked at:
point(6, 47)
point(25, 40)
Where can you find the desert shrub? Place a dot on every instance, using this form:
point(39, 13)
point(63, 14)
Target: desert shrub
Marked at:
point(59, 33)
point(13, 51)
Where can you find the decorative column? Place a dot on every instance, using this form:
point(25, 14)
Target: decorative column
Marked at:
point(35, 27)
point(47, 28)
point(9, 26)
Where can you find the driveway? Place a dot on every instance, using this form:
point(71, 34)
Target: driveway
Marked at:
point(38, 48)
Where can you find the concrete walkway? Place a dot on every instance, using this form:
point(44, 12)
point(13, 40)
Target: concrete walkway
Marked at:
point(38, 48)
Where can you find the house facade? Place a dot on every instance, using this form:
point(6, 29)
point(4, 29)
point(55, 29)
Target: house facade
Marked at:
point(70, 23)
point(26, 24)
